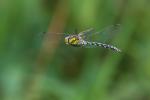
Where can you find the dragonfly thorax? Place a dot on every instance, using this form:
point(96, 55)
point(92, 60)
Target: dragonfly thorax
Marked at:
point(73, 40)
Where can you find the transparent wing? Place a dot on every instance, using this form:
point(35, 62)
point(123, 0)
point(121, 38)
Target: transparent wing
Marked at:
point(52, 38)
point(83, 33)
point(49, 34)
point(44, 33)
point(110, 29)
point(105, 34)
point(108, 33)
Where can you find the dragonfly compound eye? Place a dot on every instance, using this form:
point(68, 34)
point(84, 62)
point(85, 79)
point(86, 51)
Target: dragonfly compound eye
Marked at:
point(66, 40)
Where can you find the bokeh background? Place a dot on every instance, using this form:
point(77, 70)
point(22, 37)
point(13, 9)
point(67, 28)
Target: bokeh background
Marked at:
point(34, 66)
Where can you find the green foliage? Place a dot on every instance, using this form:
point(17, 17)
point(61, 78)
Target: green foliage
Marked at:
point(37, 66)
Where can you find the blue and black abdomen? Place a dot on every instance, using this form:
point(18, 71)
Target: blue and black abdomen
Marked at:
point(98, 44)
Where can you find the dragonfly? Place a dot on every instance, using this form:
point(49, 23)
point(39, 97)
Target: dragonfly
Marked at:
point(79, 40)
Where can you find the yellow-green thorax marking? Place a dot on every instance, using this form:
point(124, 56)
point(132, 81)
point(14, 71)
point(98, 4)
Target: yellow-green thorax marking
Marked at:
point(73, 40)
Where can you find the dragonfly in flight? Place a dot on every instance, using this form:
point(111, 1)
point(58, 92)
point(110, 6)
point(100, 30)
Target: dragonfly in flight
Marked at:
point(79, 40)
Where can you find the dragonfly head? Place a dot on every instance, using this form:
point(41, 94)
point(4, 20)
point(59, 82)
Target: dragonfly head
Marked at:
point(67, 40)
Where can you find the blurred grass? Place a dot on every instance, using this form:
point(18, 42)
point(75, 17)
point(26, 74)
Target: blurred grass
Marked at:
point(43, 68)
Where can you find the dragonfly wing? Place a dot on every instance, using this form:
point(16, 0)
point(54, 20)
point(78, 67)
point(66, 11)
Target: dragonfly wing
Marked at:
point(110, 29)
point(49, 36)
point(46, 34)
point(109, 32)
point(88, 31)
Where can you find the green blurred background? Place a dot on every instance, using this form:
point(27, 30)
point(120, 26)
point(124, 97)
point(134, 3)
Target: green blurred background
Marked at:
point(40, 67)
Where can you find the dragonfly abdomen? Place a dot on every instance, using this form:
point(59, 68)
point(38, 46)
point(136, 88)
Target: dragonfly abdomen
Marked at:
point(98, 44)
